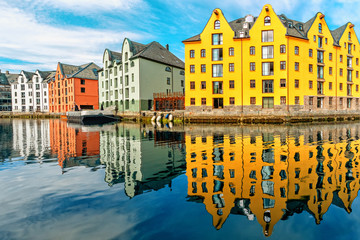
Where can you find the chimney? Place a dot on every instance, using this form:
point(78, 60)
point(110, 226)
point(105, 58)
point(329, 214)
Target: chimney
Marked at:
point(167, 47)
point(7, 72)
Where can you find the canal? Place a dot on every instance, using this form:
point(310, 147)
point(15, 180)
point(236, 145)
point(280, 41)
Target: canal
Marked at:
point(132, 181)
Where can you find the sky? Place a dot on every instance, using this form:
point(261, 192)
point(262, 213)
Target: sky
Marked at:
point(37, 34)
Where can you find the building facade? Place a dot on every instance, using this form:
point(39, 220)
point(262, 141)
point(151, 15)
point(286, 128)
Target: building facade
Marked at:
point(74, 85)
point(272, 63)
point(129, 79)
point(5, 90)
point(29, 92)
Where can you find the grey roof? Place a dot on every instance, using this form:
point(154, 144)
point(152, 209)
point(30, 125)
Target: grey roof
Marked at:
point(87, 71)
point(12, 78)
point(3, 79)
point(115, 55)
point(136, 47)
point(28, 75)
point(156, 52)
point(337, 33)
point(50, 77)
point(67, 69)
point(45, 74)
point(192, 39)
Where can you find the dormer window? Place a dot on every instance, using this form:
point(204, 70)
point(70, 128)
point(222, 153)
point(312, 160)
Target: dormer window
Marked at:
point(217, 24)
point(301, 27)
point(290, 25)
point(267, 21)
point(320, 28)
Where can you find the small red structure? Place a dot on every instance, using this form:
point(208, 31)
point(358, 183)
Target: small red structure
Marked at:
point(169, 101)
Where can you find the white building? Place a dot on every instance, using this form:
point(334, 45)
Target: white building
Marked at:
point(129, 79)
point(29, 93)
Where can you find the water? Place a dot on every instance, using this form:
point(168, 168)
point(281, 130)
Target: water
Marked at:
point(129, 181)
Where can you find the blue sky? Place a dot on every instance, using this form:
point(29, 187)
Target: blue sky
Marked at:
point(36, 34)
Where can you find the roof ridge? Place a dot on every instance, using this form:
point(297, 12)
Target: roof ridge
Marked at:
point(81, 69)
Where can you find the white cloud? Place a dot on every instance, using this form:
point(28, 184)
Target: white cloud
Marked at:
point(24, 38)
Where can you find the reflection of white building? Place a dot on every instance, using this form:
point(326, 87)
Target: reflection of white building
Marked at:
point(133, 159)
point(31, 137)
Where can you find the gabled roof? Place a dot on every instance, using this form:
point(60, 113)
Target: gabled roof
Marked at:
point(87, 71)
point(28, 75)
point(11, 78)
point(50, 77)
point(67, 69)
point(136, 47)
point(115, 55)
point(45, 74)
point(156, 52)
point(337, 34)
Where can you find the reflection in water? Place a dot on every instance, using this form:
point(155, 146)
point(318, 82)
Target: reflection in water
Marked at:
point(272, 174)
point(74, 145)
point(129, 156)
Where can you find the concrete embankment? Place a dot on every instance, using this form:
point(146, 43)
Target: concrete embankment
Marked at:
point(28, 115)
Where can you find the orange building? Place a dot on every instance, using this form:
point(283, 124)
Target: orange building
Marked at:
point(67, 142)
point(74, 85)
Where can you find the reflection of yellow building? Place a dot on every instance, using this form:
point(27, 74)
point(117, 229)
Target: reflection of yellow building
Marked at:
point(278, 173)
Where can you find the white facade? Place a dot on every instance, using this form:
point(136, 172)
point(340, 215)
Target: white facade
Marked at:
point(30, 92)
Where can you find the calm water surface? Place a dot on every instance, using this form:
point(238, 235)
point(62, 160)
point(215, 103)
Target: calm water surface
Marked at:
point(126, 181)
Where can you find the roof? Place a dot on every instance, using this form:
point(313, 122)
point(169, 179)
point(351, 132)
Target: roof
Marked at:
point(337, 33)
point(87, 71)
point(115, 55)
point(45, 74)
point(156, 52)
point(28, 75)
point(293, 28)
point(3, 79)
point(50, 77)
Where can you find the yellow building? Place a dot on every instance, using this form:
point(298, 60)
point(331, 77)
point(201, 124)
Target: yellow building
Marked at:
point(271, 174)
point(271, 62)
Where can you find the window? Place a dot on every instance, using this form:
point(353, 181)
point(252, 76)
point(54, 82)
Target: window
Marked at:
point(341, 58)
point(330, 70)
point(231, 51)
point(310, 68)
point(349, 62)
point(314, 38)
point(341, 71)
point(349, 36)
point(320, 28)
point(232, 100)
point(168, 81)
point(326, 41)
point(311, 101)
point(252, 100)
point(192, 68)
point(203, 53)
point(203, 68)
point(330, 101)
point(330, 85)
point(217, 70)
point(82, 81)
point(341, 86)
point(267, 21)
point(268, 102)
point(330, 56)
point(282, 100)
point(349, 48)
point(217, 54)
point(296, 66)
point(192, 101)
point(252, 50)
point(217, 24)
point(296, 50)
point(217, 39)
point(267, 52)
point(310, 53)
point(357, 74)
point(267, 68)
point(282, 49)
point(82, 90)
point(192, 85)
point(310, 84)
point(203, 85)
point(217, 87)
point(282, 83)
point(252, 83)
point(231, 67)
point(182, 83)
point(320, 42)
point(297, 100)
point(320, 102)
point(231, 84)
point(203, 101)
point(192, 53)
point(320, 72)
point(268, 86)
point(296, 83)
point(252, 66)
point(282, 65)
point(267, 36)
